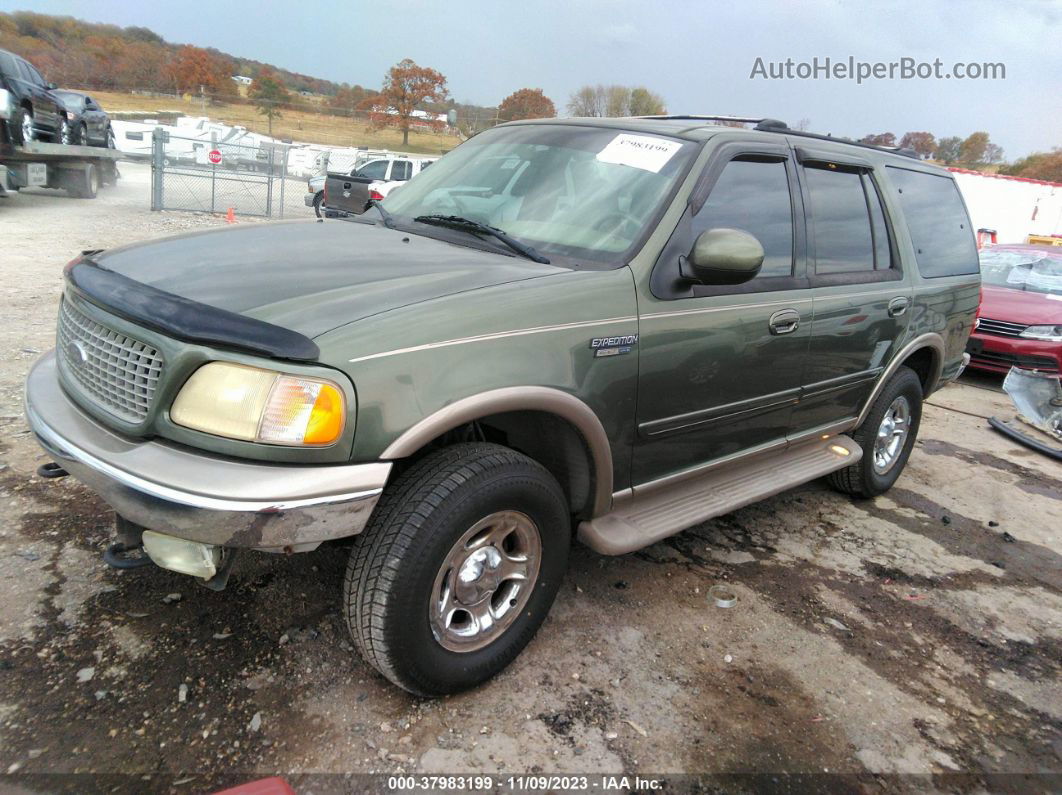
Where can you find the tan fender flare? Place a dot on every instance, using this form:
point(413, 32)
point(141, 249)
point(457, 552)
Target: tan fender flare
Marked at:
point(519, 398)
point(931, 340)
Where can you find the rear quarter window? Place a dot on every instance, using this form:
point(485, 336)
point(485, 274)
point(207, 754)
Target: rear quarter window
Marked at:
point(937, 221)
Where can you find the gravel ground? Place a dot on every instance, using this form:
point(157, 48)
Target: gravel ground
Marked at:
point(919, 634)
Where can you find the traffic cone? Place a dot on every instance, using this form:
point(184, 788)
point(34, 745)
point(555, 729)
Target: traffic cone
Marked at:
point(230, 216)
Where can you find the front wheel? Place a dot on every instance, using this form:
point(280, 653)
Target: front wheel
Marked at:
point(457, 568)
point(887, 437)
point(64, 136)
point(27, 132)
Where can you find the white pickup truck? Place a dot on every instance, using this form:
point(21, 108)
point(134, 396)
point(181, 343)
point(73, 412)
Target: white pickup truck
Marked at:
point(374, 180)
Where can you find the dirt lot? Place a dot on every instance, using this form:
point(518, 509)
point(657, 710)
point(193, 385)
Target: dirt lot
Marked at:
point(919, 634)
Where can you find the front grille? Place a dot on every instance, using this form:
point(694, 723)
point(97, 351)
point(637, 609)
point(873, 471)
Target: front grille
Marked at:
point(1004, 361)
point(117, 372)
point(987, 325)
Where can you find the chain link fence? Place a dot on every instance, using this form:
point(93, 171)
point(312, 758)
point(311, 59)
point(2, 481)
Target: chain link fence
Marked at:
point(212, 176)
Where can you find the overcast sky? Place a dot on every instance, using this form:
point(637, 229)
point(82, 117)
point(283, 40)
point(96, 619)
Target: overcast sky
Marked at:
point(698, 55)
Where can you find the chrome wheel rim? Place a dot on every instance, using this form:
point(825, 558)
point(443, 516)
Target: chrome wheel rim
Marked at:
point(64, 133)
point(485, 581)
point(27, 127)
point(892, 435)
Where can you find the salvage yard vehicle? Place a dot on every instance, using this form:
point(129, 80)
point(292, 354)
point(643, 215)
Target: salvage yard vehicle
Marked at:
point(353, 193)
point(609, 329)
point(90, 123)
point(1019, 322)
point(28, 106)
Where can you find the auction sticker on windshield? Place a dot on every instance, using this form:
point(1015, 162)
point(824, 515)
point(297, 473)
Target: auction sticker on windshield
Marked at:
point(639, 151)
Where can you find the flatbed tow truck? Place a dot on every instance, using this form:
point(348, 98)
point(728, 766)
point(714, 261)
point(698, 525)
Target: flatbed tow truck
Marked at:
point(80, 170)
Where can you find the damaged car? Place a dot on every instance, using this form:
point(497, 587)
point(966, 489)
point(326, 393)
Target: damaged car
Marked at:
point(603, 330)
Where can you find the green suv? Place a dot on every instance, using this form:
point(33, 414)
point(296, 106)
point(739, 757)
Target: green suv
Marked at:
point(609, 329)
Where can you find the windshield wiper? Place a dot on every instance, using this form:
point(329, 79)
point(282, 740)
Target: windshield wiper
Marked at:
point(388, 219)
point(479, 228)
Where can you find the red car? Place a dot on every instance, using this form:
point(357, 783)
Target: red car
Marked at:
point(1020, 318)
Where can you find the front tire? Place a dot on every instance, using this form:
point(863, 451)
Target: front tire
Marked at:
point(64, 136)
point(26, 131)
point(457, 568)
point(887, 437)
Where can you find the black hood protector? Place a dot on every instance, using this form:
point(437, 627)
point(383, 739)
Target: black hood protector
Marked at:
point(183, 318)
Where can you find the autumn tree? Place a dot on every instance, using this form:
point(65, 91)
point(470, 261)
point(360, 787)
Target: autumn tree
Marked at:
point(193, 69)
point(1038, 165)
point(925, 143)
point(972, 151)
point(406, 86)
point(615, 101)
point(268, 94)
point(347, 99)
point(527, 103)
point(644, 102)
point(948, 149)
point(879, 139)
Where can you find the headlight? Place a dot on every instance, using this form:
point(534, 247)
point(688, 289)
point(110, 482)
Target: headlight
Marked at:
point(7, 105)
point(257, 405)
point(1045, 333)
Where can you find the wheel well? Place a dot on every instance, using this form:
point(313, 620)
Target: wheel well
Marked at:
point(924, 363)
point(550, 440)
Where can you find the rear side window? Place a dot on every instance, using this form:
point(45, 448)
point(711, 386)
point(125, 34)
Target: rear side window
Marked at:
point(850, 233)
point(7, 66)
point(377, 169)
point(753, 196)
point(400, 169)
point(936, 218)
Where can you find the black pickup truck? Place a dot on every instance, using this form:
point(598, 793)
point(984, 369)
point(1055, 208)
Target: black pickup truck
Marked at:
point(352, 193)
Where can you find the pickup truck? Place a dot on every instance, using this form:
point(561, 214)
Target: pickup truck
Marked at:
point(603, 330)
point(371, 181)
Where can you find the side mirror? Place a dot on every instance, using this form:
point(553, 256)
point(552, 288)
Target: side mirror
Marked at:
point(723, 256)
point(52, 86)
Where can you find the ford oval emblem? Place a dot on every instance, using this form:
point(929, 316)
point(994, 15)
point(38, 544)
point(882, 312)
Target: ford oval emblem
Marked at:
point(76, 353)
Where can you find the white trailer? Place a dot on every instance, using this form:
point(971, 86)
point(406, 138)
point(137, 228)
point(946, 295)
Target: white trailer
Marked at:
point(1014, 207)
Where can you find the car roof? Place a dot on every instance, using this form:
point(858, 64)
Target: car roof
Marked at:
point(693, 128)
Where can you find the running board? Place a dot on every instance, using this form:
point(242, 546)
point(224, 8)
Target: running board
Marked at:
point(645, 519)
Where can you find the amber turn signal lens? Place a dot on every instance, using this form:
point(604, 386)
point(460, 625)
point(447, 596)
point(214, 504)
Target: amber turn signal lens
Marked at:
point(326, 417)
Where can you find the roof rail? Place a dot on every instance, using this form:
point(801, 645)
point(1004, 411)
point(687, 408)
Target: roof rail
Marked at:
point(775, 125)
point(695, 117)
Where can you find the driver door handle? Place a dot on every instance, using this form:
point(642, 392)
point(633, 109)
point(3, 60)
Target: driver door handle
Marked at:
point(784, 321)
point(897, 306)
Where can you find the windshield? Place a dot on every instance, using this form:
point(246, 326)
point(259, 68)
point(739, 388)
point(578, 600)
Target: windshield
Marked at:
point(1028, 270)
point(581, 192)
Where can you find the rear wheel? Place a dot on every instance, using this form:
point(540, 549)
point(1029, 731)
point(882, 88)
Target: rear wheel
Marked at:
point(458, 567)
point(887, 437)
point(84, 183)
point(317, 203)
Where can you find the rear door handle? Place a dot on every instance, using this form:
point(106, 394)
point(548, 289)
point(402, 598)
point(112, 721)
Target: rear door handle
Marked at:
point(897, 306)
point(784, 321)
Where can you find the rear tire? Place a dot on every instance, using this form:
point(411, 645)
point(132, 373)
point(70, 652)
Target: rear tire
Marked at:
point(317, 199)
point(423, 559)
point(898, 409)
point(85, 183)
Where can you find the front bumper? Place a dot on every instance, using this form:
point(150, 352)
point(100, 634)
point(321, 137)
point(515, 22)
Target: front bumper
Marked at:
point(998, 354)
point(192, 495)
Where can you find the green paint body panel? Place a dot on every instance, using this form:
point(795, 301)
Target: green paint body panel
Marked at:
point(409, 325)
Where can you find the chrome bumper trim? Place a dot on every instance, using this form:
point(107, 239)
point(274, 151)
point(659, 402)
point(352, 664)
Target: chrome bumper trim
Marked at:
point(200, 497)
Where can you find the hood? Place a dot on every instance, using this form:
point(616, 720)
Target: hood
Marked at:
point(313, 277)
point(1020, 306)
